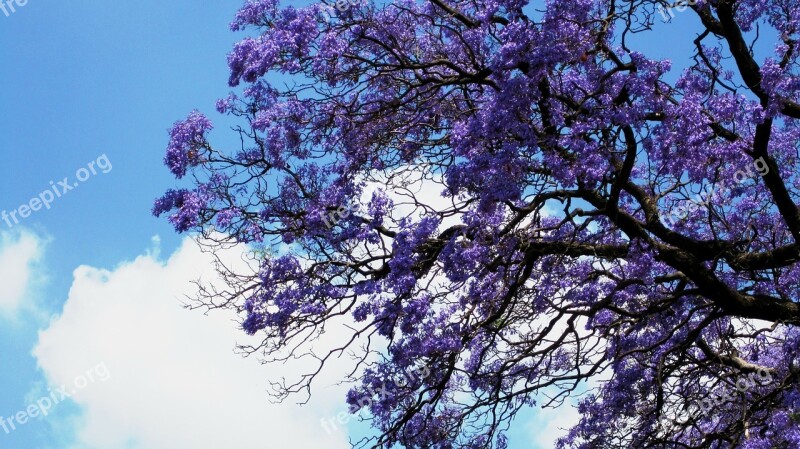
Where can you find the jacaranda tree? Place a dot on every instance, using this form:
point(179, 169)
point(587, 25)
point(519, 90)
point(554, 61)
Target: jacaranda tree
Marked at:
point(514, 196)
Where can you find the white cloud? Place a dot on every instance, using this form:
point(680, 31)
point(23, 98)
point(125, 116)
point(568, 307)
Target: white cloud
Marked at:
point(551, 424)
point(407, 186)
point(174, 379)
point(19, 254)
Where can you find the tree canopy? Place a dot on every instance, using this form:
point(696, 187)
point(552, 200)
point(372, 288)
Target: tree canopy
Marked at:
point(518, 198)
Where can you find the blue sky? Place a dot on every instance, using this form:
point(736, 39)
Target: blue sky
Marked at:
point(94, 281)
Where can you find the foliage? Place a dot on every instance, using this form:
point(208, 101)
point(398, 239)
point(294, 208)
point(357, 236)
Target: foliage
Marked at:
point(520, 167)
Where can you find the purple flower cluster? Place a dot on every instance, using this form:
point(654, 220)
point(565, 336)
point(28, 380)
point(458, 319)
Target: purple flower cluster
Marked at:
point(187, 143)
point(189, 204)
point(525, 163)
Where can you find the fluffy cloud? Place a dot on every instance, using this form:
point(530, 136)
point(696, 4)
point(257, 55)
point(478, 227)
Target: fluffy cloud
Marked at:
point(174, 378)
point(551, 424)
point(19, 254)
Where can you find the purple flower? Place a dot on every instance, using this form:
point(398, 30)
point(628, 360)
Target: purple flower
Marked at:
point(187, 143)
point(555, 205)
point(187, 204)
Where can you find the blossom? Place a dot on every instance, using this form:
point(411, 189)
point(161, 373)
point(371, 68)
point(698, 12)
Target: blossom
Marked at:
point(187, 143)
point(549, 203)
